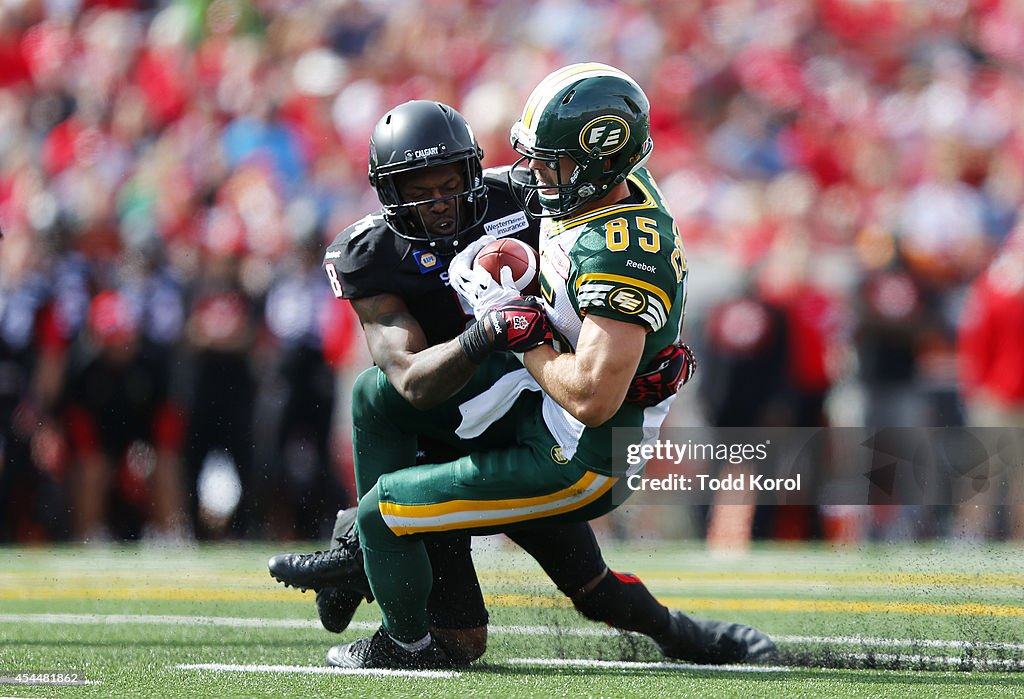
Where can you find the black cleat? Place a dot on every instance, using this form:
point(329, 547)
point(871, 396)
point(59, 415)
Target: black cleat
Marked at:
point(336, 606)
point(381, 651)
point(709, 642)
point(339, 566)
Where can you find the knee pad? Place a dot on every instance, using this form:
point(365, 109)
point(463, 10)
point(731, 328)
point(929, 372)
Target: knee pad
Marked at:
point(364, 394)
point(373, 531)
point(375, 401)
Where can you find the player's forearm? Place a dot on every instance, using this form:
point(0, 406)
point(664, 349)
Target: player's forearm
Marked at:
point(424, 376)
point(433, 375)
point(592, 382)
point(573, 386)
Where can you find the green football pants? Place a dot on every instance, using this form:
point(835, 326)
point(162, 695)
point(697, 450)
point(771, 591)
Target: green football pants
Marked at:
point(513, 475)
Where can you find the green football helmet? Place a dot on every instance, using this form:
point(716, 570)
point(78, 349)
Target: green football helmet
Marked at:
point(594, 114)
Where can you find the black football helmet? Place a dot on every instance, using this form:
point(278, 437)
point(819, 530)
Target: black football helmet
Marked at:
point(592, 113)
point(423, 134)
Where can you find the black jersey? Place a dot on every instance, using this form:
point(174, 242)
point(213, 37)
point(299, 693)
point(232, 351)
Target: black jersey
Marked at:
point(367, 259)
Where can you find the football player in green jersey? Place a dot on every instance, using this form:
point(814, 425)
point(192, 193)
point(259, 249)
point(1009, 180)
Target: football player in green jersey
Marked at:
point(538, 440)
point(613, 273)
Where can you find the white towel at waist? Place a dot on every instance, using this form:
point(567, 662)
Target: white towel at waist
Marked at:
point(484, 409)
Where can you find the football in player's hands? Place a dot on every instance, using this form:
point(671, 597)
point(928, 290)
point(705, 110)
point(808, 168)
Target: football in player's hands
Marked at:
point(520, 259)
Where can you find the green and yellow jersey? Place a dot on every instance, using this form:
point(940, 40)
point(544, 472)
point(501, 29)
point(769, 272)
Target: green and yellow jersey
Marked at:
point(626, 262)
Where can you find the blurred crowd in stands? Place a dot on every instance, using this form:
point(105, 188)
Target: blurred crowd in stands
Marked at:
point(172, 364)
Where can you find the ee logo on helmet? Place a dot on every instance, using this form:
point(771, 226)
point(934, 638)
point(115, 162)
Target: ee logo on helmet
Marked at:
point(609, 133)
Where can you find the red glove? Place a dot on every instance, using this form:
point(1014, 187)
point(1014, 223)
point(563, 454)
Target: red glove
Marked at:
point(670, 369)
point(517, 326)
point(520, 325)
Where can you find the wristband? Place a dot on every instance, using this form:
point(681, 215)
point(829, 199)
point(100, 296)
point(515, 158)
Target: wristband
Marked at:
point(475, 341)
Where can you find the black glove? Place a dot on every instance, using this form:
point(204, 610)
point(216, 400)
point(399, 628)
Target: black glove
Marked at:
point(517, 326)
point(670, 369)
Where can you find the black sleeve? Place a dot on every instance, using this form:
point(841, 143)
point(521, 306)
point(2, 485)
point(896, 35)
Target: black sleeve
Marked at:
point(361, 260)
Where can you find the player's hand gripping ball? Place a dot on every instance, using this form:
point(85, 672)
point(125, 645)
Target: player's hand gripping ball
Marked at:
point(511, 263)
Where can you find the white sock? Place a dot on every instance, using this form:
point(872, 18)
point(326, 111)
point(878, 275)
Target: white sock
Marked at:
point(415, 645)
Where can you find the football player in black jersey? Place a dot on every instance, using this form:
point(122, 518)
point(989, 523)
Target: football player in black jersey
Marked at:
point(392, 266)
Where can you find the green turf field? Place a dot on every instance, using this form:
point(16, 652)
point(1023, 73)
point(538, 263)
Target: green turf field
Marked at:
point(927, 620)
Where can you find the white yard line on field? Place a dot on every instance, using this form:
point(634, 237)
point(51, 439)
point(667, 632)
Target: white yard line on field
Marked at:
point(316, 670)
point(898, 642)
point(940, 660)
point(512, 630)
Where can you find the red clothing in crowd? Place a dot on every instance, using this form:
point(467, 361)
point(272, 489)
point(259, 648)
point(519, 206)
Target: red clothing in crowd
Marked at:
point(814, 319)
point(991, 343)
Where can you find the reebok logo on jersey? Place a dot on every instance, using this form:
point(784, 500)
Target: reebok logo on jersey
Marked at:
point(641, 266)
point(502, 227)
point(627, 300)
point(332, 254)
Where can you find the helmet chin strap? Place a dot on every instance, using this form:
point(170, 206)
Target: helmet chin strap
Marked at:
point(649, 148)
point(639, 164)
point(454, 246)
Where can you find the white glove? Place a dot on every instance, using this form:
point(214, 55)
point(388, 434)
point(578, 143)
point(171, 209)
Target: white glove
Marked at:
point(466, 256)
point(476, 286)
